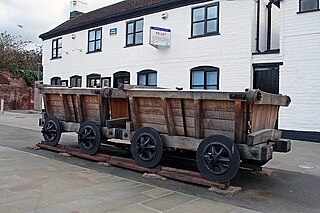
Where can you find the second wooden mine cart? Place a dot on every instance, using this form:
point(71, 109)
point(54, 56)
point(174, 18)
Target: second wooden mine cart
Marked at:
point(223, 128)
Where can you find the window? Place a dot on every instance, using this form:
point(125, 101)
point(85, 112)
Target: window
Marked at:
point(205, 20)
point(57, 48)
point(55, 81)
point(119, 78)
point(64, 83)
point(75, 81)
point(134, 33)
point(309, 5)
point(106, 82)
point(205, 78)
point(94, 80)
point(95, 40)
point(147, 78)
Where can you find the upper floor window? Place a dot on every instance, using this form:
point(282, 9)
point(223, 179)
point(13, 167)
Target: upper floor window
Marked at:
point(134, 34)
point(57, 48)
point(205, 20)
point(64, 83)
point(95, 40)
point(147, 78)
point(75, 81)
point(94, 80)
point(308, 5)
point(55, 81)
point(205, 77)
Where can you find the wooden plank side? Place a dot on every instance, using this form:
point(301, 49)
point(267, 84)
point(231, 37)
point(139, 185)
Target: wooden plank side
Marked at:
point(118, 107)
point(159, 128)
point(218, 105)
point(215, 124)
point(46, 101)
point(152, 119)
point(239, 110)
point(168, 116)
point(81, 111)
point(149, 102)
point(198, 125)
point(188, 121)
point(93, 99)
point(187, 104)
point(264, 117)
point(57, 103)
point(151, 110)
point(54, 97)
point(103, 108)
point(188, 112)
point(210, 132)
point(221, 115)
point(134, 113)
point(66, 108)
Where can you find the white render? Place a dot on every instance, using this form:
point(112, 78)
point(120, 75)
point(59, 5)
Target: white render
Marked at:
point(231, 52)
point(300, 78)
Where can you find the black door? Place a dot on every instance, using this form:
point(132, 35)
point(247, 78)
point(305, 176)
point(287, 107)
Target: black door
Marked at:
point(122, 77)
point(266, 79)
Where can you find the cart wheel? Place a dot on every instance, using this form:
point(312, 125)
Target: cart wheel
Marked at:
point(51, 131)
point(218, 158)
point(89, 137)
point(147, 147)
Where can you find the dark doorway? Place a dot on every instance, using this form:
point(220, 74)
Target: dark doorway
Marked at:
point(121, 77)
point(266, 79)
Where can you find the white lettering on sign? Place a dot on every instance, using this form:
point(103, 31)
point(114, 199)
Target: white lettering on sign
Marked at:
point(160, 37)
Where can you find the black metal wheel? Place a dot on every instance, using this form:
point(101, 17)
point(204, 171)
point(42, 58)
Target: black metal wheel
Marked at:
point(89, 137)
point(51, 131)
point(218, 158)
point(147, 147)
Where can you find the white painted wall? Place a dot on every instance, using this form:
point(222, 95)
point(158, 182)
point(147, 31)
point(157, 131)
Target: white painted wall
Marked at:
point(230, 51)
point(299, 76)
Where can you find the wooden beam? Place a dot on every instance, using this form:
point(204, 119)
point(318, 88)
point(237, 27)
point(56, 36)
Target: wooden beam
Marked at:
point(46, 100)
point(198, 122)
point(168, 116)
point(263, 136)
point(261, 152)
point(103, 108)
point(185, 133)
point(134, 113)
point(81, 108)
point(180, 142)
point(238, 118)
point(66, 109)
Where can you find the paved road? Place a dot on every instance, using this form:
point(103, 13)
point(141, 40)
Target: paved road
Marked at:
point(285, 191)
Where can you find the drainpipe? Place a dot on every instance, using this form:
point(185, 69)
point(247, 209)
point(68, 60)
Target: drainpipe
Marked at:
point(269, 6)
point(258, 27)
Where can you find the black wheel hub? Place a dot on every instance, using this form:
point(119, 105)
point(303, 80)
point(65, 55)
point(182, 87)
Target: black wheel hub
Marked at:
point(51, 130)
point(146, 147)
point(87, 137)
point(217, 158)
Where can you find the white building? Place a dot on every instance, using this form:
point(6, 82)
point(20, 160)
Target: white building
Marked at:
point(196, 44)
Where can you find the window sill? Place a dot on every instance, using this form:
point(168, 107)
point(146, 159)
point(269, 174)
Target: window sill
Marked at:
point(276, 51)
point(308, 11)
point(96, 51)
point(132, 45)
point(55, 58)
point(205, 35)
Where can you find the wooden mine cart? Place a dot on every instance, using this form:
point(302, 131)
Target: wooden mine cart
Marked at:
point(223, 128)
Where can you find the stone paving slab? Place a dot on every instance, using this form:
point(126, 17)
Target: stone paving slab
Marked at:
point(31, 183)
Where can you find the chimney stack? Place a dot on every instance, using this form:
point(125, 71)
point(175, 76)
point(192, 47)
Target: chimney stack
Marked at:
point(77, 7)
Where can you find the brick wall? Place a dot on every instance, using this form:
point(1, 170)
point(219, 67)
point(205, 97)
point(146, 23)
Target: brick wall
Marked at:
point(15, 92)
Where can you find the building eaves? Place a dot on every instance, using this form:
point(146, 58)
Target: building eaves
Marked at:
point(117, 12)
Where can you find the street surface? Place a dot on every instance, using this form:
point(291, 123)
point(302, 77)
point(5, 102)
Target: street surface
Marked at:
point(294, 186)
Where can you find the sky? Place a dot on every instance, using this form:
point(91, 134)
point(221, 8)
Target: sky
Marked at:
point(30, 18)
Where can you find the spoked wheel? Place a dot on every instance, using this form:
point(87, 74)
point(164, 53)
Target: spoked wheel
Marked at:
point(51, 131)
point(218, 158)
point(147, 147)
point(89, 137)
